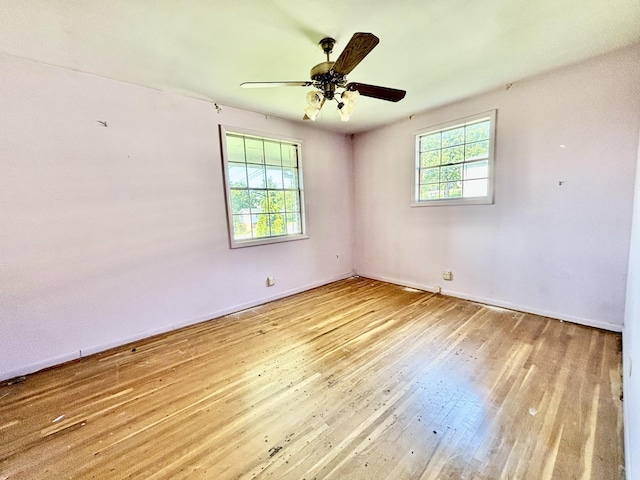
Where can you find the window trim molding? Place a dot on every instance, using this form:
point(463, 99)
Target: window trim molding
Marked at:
point(486, 200)
point(233, 243)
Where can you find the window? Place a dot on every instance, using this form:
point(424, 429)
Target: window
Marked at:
point(454, 162)
point(263, 178)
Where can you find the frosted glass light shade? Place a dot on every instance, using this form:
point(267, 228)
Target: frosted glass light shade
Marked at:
point(314, 102)
point(314, 99)
point(350, 98)
point(311, 112)
point(348, 104)
point(345, 113)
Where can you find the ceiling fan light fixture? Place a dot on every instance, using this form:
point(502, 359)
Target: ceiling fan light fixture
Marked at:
point(311, 112)
point(345, 112)
point(347, 104)
point(314, 99)
point(350, 97)
point(344, 115)
point(314, 103)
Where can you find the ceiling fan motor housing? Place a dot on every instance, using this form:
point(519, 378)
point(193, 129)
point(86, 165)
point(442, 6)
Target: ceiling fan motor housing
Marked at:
point(326, 79)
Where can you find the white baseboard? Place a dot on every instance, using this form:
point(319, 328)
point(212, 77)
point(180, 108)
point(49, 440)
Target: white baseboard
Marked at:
point(501, 303)
point(35, 367)
point(92, 349)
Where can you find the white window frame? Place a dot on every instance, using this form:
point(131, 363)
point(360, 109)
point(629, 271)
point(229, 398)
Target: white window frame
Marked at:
point(484, 200)
point(239, 243)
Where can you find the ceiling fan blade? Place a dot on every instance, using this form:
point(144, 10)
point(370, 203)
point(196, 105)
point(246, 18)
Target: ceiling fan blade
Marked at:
point(374, 91)
point(275, 84)
point(358, 47)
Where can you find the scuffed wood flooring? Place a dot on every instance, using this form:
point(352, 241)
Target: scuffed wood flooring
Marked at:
point(358, 379)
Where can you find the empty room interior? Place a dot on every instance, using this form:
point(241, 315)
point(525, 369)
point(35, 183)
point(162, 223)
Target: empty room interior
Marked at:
point(309, 240)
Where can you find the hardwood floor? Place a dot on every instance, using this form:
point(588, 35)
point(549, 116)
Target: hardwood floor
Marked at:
point(358, 379)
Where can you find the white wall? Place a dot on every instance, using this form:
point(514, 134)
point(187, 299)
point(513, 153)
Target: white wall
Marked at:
point(112, 234)
point(556, 250)
point(631, 345)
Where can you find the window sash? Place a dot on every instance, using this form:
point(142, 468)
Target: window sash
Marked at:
point(263, 187)
point(454, 162)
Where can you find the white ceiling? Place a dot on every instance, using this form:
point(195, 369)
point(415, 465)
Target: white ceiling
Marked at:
point(438, 50)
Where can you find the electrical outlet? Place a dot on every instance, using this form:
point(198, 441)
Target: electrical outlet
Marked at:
point(271, 281)
point(437, 290)
point(446, 275)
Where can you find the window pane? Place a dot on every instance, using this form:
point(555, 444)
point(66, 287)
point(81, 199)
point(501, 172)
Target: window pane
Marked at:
point(430, 192)
point(451, 173)
point(293, 223)
point(278, 226)
point(261, 227)
point(235, 148)
point(476, 170)
point(450, 189)
point(256, 176)
point(477, 131)
point(290, 177)
point(241, 226)
point(430, 175)
point(292, 201)
point(272, 153)
point(274, 177)
point(239, 201)
point(430, 142)
point(430, 159)
point(276, 201)
point(258, 201)
point(477, 150)
point(453, 155)
point(254, 150)
point(289, 155)
point(237, 175)
point(476, 188)
point(453, 137)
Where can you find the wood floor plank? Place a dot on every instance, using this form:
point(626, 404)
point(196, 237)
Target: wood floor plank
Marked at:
point(358, 379)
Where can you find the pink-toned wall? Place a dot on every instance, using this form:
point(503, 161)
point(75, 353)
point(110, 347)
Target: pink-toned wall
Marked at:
point(557, 250)
point(110, 234)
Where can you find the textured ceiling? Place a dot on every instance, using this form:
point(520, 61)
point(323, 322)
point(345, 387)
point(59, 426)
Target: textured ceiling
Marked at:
point(438, 50)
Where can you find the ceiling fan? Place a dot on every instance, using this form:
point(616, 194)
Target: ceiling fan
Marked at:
point(330, 79)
